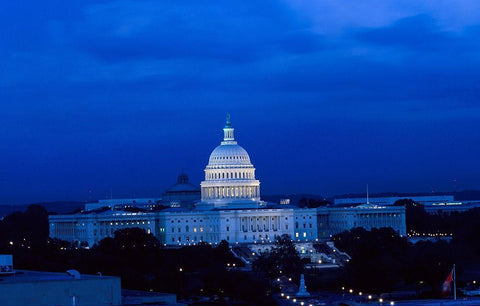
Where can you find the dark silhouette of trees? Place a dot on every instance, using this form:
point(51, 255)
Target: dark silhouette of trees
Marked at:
point(29, 228)
point(382, 260)
point(129, 239)
point(282, 259)
point(312, 203)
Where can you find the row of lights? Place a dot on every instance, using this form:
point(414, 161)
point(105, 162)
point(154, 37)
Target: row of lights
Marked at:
point(293, 299)
point(417, 234)
point(370, 297)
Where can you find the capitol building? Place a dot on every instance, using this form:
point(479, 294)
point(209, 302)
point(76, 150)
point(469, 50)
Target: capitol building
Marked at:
point(228, 207)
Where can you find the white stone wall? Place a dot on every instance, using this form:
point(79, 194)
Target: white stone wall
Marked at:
point(232, 225)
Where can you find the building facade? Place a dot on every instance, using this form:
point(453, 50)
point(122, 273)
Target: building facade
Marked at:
point(230, 209)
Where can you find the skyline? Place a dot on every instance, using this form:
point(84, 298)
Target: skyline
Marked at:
point(119, 96)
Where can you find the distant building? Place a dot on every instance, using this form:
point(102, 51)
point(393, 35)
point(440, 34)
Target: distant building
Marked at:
point(425, 200)
point(182, 194)
point(122, 204)
point(230, 209)
point(334, 220)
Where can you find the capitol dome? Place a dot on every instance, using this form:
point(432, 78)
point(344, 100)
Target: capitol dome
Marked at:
point(229, 154)
point(230, 175)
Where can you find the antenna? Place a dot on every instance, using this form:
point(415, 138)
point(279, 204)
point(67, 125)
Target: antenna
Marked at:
point(367, 195)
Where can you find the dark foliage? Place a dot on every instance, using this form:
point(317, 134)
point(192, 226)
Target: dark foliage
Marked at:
point(282, 259)
point(312, 203)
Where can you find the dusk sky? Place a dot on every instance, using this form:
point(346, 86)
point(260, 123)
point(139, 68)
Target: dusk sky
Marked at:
point(326, 96)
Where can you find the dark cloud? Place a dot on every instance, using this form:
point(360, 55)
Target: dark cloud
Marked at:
point(238, 32)
point(415, 32)
point(122, 94)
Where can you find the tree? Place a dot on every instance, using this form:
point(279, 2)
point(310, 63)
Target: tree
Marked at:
point(129, 239)
point(29, 228)
point(282, 258)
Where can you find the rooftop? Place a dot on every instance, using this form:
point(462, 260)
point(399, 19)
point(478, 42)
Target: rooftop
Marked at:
point(26, 276)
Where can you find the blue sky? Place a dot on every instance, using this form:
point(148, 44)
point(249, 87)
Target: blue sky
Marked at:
point(326, 96)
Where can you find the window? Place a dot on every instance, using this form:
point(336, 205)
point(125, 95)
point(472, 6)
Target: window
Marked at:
point(296, 235)
point(228, 228)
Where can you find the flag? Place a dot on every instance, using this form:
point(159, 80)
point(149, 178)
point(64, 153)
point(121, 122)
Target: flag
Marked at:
point(447, 284)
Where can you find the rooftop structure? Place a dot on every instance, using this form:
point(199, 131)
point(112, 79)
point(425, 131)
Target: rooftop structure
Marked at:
point(49, 288)
point(182, 194)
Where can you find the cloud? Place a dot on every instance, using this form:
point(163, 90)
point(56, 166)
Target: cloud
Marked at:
point(419, 32)
point(240, 31)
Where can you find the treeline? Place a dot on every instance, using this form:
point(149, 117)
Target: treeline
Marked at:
point(312, 203)
point(138, 258)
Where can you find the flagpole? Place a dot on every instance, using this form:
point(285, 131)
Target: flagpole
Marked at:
point(454, 282)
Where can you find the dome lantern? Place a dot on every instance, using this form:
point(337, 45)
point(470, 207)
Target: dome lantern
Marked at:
point(228, 137)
